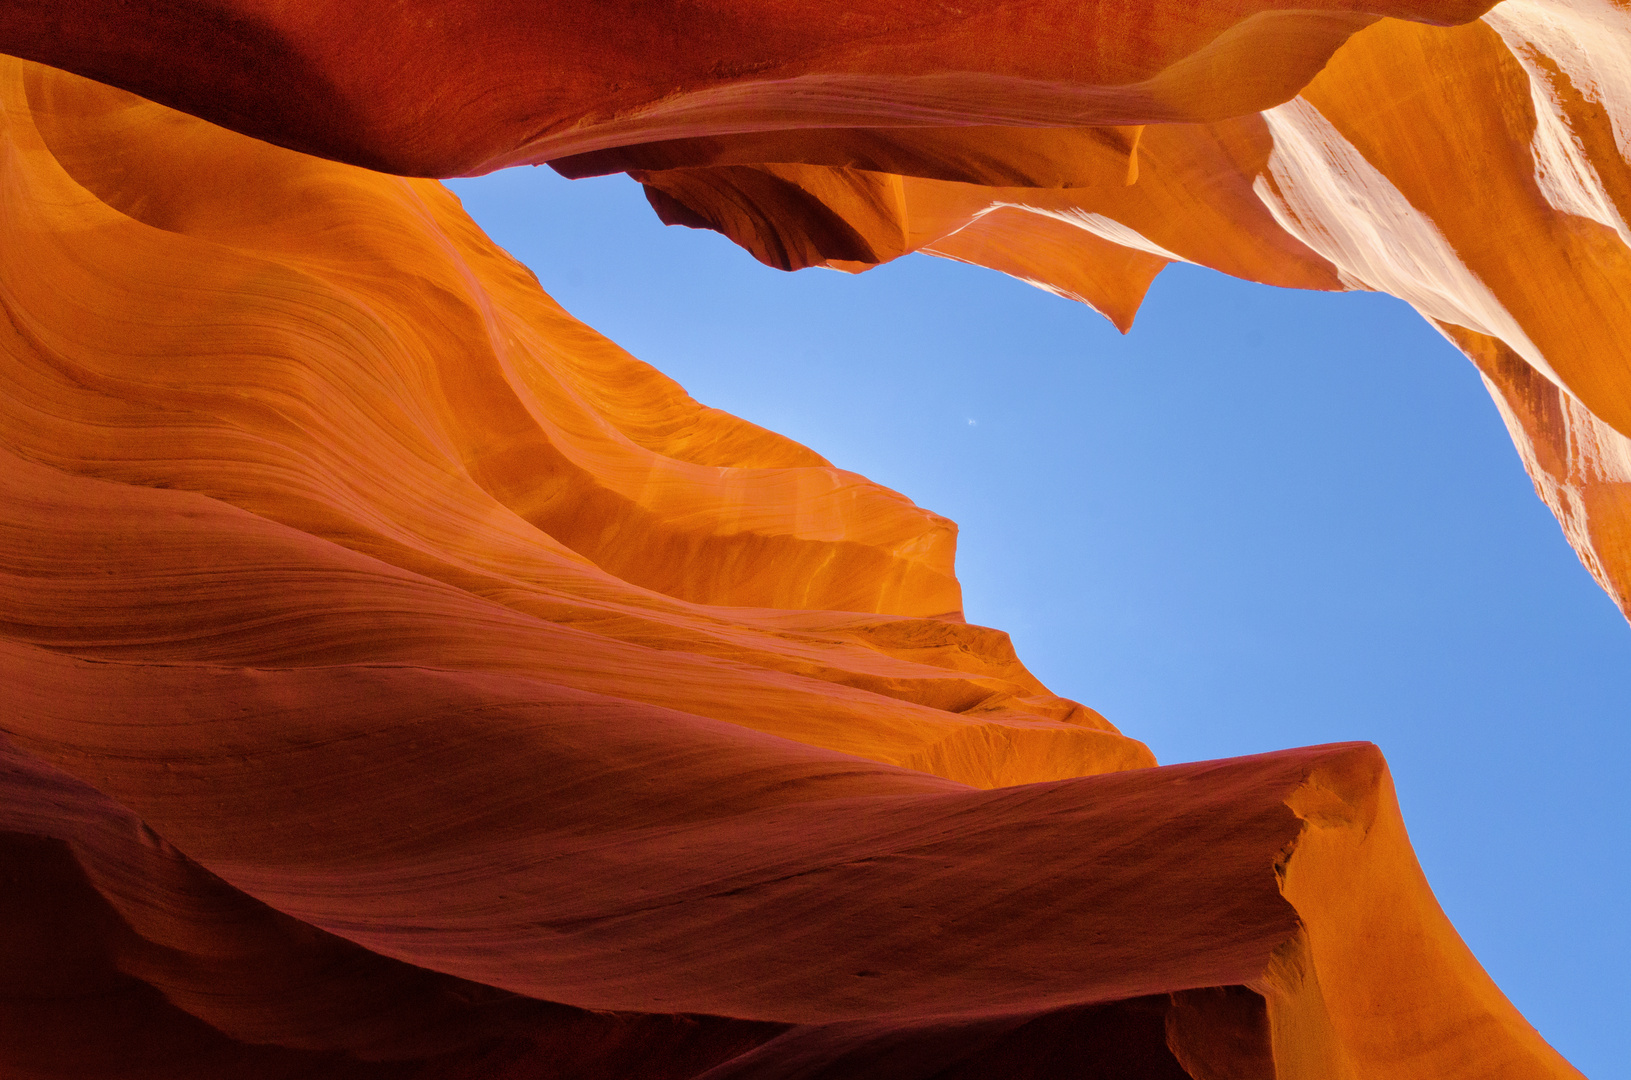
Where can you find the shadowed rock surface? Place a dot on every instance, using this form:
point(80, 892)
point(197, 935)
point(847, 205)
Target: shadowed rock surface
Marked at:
point(403, 681)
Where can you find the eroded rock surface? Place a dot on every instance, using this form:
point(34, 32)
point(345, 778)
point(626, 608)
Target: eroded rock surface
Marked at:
point(406, 682)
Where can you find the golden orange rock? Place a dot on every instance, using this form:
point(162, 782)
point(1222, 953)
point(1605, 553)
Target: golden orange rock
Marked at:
point(397, 395)
point(406, 682)
point(1478, 172)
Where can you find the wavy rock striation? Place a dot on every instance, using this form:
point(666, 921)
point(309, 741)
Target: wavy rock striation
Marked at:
point(1475, 167)
point(1479, 172)
point(433, 88)
point(406, 682)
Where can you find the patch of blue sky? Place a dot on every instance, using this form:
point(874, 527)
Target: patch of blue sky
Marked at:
point(1263, 519)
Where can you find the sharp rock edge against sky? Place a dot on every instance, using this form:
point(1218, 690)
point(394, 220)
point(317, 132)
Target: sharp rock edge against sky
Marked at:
point(1263, 519)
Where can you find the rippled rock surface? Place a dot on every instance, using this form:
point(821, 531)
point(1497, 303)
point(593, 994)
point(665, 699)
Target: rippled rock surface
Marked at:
point(404, 681)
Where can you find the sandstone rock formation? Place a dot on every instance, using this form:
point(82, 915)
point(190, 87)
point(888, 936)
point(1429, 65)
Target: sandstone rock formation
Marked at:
point(405, 681)
point(1478, 172)
point(437, 88)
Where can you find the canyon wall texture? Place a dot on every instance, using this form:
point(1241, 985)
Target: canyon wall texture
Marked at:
point(404, 681)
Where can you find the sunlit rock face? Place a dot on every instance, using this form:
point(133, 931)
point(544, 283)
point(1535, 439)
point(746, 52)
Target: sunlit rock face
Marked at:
point(403, 681)
point(1478, 172)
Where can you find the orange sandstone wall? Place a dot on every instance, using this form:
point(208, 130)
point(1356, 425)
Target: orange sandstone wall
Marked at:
point(435, 88)
point(339, 361)
point(406, 682)
point(1475, 166)
point(1479, 172)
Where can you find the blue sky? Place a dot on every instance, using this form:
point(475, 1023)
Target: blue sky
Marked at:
point(1263, 519)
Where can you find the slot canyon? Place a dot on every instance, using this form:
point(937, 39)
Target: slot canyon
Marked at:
point(405, 681)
